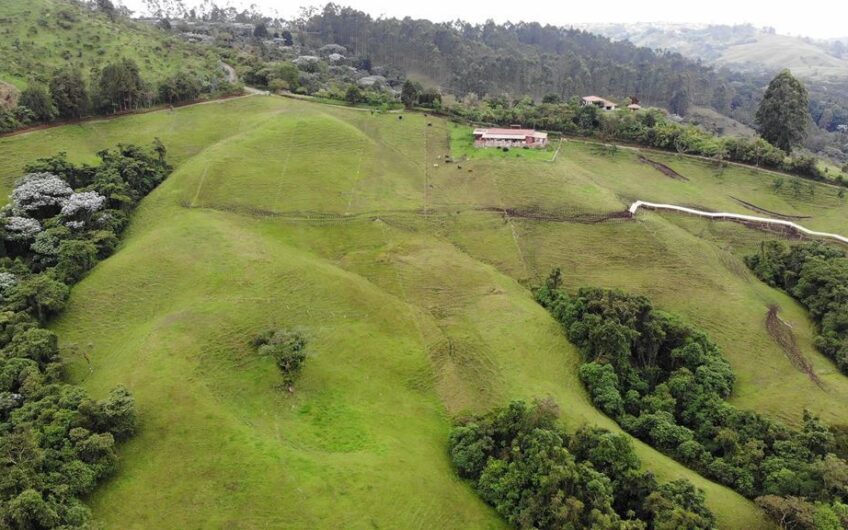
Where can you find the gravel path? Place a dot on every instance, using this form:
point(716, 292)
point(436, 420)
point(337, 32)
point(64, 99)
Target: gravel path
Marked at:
point(742, 217)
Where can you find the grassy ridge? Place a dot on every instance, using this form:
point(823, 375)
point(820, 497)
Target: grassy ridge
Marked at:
point(409, 282)
point(40, 36)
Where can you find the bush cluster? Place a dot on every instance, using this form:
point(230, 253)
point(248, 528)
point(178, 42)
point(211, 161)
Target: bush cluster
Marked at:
point(537, 476)
point(666, 383)
point(817, 276)
point(56, 443)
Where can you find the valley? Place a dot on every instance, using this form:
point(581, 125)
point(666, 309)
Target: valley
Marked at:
point(411, 279)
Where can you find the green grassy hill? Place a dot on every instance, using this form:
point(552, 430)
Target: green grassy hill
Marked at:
point(773, 51)
point(742, 47)
point(409, 278)
point(39, 36)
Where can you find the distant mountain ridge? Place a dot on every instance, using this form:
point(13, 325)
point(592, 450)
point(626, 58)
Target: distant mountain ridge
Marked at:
point(741, 47)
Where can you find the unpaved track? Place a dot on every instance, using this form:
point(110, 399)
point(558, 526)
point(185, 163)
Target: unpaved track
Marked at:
point(736, 216)
point(232, 77)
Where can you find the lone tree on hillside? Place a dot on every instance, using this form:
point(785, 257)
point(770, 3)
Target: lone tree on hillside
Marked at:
point(409, 94)
point(287, 348)
point(783, 113)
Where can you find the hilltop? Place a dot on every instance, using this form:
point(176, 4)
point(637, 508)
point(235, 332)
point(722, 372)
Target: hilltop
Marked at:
point(742, 47)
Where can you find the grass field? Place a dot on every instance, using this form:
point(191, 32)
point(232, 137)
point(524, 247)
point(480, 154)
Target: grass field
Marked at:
point(410, 281)
point(40, 36)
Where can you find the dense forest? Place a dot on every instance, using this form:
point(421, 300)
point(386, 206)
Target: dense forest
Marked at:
point(521, 461)
point(522, 59)
point(667, 383)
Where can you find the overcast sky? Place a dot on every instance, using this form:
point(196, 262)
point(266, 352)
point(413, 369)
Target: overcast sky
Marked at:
point(813, 18)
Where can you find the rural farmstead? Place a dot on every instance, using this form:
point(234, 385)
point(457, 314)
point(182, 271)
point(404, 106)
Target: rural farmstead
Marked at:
point(601, 103)
point(510, 138)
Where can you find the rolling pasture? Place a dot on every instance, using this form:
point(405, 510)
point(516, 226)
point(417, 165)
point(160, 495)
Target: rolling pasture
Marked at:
point(409, 276)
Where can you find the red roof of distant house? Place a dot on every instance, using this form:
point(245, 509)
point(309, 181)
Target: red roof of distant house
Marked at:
point(516, 134)
point(522, 132)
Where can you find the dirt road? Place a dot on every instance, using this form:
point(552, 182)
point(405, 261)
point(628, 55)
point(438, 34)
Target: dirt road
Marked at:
point(736, 216)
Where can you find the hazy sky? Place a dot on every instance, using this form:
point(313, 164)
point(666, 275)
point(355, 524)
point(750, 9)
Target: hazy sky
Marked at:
point(814, 18)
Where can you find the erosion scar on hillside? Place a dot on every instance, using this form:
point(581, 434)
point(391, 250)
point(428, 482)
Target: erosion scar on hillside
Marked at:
point(662, 168)
point(559, 217)
point(755, 208)
point(782, 333)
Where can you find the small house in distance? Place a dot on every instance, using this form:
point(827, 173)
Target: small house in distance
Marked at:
point(510, 138)
point(601, 103)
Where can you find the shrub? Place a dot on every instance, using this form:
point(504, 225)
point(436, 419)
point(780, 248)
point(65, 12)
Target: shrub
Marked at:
point(287, 349)
point(37, 99)
point(76, 257)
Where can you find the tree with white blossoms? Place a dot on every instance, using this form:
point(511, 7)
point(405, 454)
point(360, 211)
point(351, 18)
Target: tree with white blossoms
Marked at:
point(7, 281)
point(79, 208)
point(21, 228)
point(40, 195)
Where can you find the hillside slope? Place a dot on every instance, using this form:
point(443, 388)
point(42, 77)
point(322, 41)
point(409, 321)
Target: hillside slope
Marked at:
point(39, 36)
point(742, 47)
point(408, 276)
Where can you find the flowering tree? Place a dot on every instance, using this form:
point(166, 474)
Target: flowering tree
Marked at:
point(21, 228)
point(79, 208)
point(7, 281)
point(40, 195)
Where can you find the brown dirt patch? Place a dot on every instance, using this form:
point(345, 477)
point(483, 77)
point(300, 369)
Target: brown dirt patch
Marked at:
point(782, 333)
point(8, 96)
point(560, 217)
point(784, 231)
point(755, 208)
point(662, 168)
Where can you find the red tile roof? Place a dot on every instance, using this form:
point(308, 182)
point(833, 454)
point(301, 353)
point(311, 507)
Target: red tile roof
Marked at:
point(512, 133)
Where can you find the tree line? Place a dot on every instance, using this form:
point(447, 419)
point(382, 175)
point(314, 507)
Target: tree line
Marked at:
point(536, 476)
point(117, 87)
point(56, 442)
point(667, 383)
point(817, 276)
point(518, 58)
